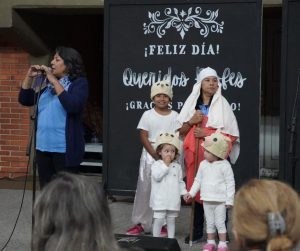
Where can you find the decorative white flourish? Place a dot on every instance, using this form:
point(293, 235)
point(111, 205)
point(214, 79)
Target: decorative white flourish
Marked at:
point(183, 21)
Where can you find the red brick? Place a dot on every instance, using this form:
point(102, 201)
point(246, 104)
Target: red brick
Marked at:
point(10, 104)
point(5, 153)
point(13, 169)
point(9, 71)
point(4, 163)
point(19, 121)
point(19, 132)
point(17, 110)
point(9, 115)
point(10, 126)
point(4, 132)
point(17, 153)
point(15, 89)
point(14, 137)
point(11, 148)
point(17, 77)
point(4, 110)
point(20, 66)
point(25, 115)
point(8, 60)
point(4, 121)
point(11, 159)
point(4, 65)
point(5, 93)
point(14, 99)
point(5, 77)
point(5, 99)
point(14, 118)
point(19, 142)
point(22, 164)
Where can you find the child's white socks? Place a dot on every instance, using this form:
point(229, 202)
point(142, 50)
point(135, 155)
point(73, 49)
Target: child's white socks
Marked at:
point(211, 242)
point(222, 244)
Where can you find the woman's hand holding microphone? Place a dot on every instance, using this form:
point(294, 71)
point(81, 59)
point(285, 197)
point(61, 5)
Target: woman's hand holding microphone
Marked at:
point(37, 70)
point(34, 71)
point(48, 72)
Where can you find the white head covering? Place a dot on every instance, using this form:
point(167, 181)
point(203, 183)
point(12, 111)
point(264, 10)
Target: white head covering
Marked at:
point(162, 87)
point(220, 114)
point(207, 72)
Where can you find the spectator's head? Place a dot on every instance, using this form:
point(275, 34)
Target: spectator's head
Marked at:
point(266, 216)
point(71, 213)
point(72, 60)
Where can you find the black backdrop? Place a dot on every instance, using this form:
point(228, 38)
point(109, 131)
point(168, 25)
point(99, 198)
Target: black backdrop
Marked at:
point(290, 71)
point(149, 40)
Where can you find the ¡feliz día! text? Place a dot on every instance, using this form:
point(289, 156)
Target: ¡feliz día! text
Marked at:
point(181, 49)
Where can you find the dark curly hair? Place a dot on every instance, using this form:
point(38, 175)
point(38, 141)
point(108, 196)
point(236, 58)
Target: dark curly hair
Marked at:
point(72, 60)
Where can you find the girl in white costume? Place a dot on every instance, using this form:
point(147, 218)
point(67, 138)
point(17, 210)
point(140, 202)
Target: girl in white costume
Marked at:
point(166, 184)
point(158, 119)
point(215, 180)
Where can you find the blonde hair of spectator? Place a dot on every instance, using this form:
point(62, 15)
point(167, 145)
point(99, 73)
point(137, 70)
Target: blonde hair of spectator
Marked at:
point(254, 202)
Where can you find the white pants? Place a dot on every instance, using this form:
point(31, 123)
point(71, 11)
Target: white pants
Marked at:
point(160, 217)
point(215, 214)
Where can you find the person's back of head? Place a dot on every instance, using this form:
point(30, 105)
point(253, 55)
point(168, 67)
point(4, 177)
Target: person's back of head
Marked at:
point(71, 213)
point(266, 216)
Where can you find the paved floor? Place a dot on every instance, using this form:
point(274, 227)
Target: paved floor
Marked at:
point(20, 240)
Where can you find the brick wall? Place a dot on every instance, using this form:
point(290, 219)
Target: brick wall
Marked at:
point(14, 118)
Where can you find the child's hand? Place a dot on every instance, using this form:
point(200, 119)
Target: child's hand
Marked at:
point(167, 160)
point(187, 197)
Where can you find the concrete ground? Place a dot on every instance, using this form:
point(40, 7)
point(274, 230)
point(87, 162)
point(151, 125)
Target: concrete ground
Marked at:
point(11, 197)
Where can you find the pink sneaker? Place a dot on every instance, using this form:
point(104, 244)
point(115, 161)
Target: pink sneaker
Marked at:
point(164, 232)
point(135, 230)
point(209, 247)
point(222, 248)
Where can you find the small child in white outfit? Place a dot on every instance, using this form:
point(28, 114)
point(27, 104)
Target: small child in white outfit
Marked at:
point(166, 184)
point(215, 180)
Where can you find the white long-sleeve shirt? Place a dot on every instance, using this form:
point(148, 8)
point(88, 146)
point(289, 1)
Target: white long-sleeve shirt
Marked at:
point(166, 186)
point(215, 181)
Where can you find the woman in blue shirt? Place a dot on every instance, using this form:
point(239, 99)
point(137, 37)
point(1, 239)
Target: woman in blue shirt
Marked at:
point(59, 131)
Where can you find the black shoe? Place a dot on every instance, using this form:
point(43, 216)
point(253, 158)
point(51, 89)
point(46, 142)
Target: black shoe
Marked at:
point(196, 239)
